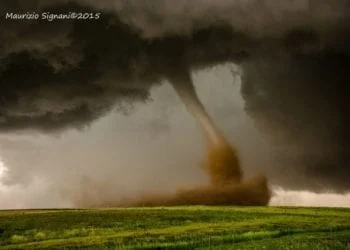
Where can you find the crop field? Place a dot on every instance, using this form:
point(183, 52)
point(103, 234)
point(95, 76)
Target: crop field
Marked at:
point(193, 227)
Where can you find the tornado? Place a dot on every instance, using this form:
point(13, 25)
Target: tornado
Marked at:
point(222, 164)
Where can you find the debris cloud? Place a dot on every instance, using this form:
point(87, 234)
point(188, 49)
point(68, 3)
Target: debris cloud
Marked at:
point(254, 192)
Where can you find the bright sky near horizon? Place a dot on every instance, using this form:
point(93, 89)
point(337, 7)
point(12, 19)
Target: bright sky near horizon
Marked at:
point(2, 169)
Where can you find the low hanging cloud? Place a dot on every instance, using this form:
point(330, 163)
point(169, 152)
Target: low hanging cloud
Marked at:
point(294, 56)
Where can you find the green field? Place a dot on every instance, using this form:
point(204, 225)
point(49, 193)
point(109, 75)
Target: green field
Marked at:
point(196, 227)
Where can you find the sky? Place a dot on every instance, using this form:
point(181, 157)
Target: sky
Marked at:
point(157, 146)
point(89, 115)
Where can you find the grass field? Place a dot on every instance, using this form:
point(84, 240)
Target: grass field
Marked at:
point(194, 227)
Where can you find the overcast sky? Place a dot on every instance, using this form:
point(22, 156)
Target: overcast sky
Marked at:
point(77, 124)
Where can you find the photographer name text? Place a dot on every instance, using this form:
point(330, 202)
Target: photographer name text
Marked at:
point(48, 16)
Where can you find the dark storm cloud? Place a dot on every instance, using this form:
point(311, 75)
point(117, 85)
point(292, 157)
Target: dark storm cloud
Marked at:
point(295, 56)
point(55, 75)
